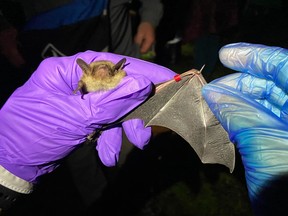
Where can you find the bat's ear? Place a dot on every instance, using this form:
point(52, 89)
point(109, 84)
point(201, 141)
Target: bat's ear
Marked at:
point(119, 65)
point(82, 88)
point(83, 65)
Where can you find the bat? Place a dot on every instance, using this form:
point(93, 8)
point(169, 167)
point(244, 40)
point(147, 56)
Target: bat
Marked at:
point(179, 106)
point(100, 75)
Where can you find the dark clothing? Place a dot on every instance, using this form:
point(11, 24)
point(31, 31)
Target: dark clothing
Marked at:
point(109, 28)
point(121, 26)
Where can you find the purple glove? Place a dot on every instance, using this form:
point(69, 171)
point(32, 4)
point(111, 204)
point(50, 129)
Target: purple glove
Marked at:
point(43, 120)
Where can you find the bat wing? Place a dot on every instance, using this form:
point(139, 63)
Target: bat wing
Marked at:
point(180, 107)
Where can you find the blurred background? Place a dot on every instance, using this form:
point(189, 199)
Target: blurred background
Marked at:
point(166, 178)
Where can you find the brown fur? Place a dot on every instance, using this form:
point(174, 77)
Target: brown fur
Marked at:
point(100, 75)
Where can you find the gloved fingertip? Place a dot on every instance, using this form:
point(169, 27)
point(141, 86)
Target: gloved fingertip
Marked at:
point(230, 57)
point(109, 146)
point(137, 133)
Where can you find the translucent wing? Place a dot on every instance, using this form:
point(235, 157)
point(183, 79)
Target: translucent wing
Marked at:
point(180, 107)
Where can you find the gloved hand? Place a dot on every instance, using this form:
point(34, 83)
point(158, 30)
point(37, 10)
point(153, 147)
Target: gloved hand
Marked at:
point(252, 106)
point(43, 120)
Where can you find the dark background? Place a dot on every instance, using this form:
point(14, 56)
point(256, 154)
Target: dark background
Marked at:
point(167, 178)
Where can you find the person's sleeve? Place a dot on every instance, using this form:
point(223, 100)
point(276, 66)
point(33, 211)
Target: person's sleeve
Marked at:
point(151, 11)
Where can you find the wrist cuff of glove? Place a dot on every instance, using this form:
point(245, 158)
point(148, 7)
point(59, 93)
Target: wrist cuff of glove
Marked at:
point(9, 180)
point(12, 188)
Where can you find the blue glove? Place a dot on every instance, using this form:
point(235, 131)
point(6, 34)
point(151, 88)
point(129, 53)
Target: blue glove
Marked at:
point(252, 106)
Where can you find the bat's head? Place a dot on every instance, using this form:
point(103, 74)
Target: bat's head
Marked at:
point(100, 75)
point(101, 68)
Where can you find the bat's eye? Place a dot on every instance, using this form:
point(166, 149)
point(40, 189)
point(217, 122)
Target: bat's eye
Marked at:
point(112, 72)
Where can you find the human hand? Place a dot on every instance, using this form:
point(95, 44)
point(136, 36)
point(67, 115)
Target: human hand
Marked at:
point(43, 120)
point(252, 107)
point(145, 36)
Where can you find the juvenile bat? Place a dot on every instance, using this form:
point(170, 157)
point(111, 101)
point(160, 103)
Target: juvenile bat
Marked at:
point(99, 75)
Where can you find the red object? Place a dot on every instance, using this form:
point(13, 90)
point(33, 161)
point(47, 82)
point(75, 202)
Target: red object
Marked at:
point(177, 78)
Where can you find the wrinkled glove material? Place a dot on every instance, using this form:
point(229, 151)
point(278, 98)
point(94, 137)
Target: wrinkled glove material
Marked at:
point(43, 120)
point(252, 107)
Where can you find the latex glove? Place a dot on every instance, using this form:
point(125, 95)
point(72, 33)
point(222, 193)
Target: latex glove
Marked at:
point(252, 107)
point(43, 120)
